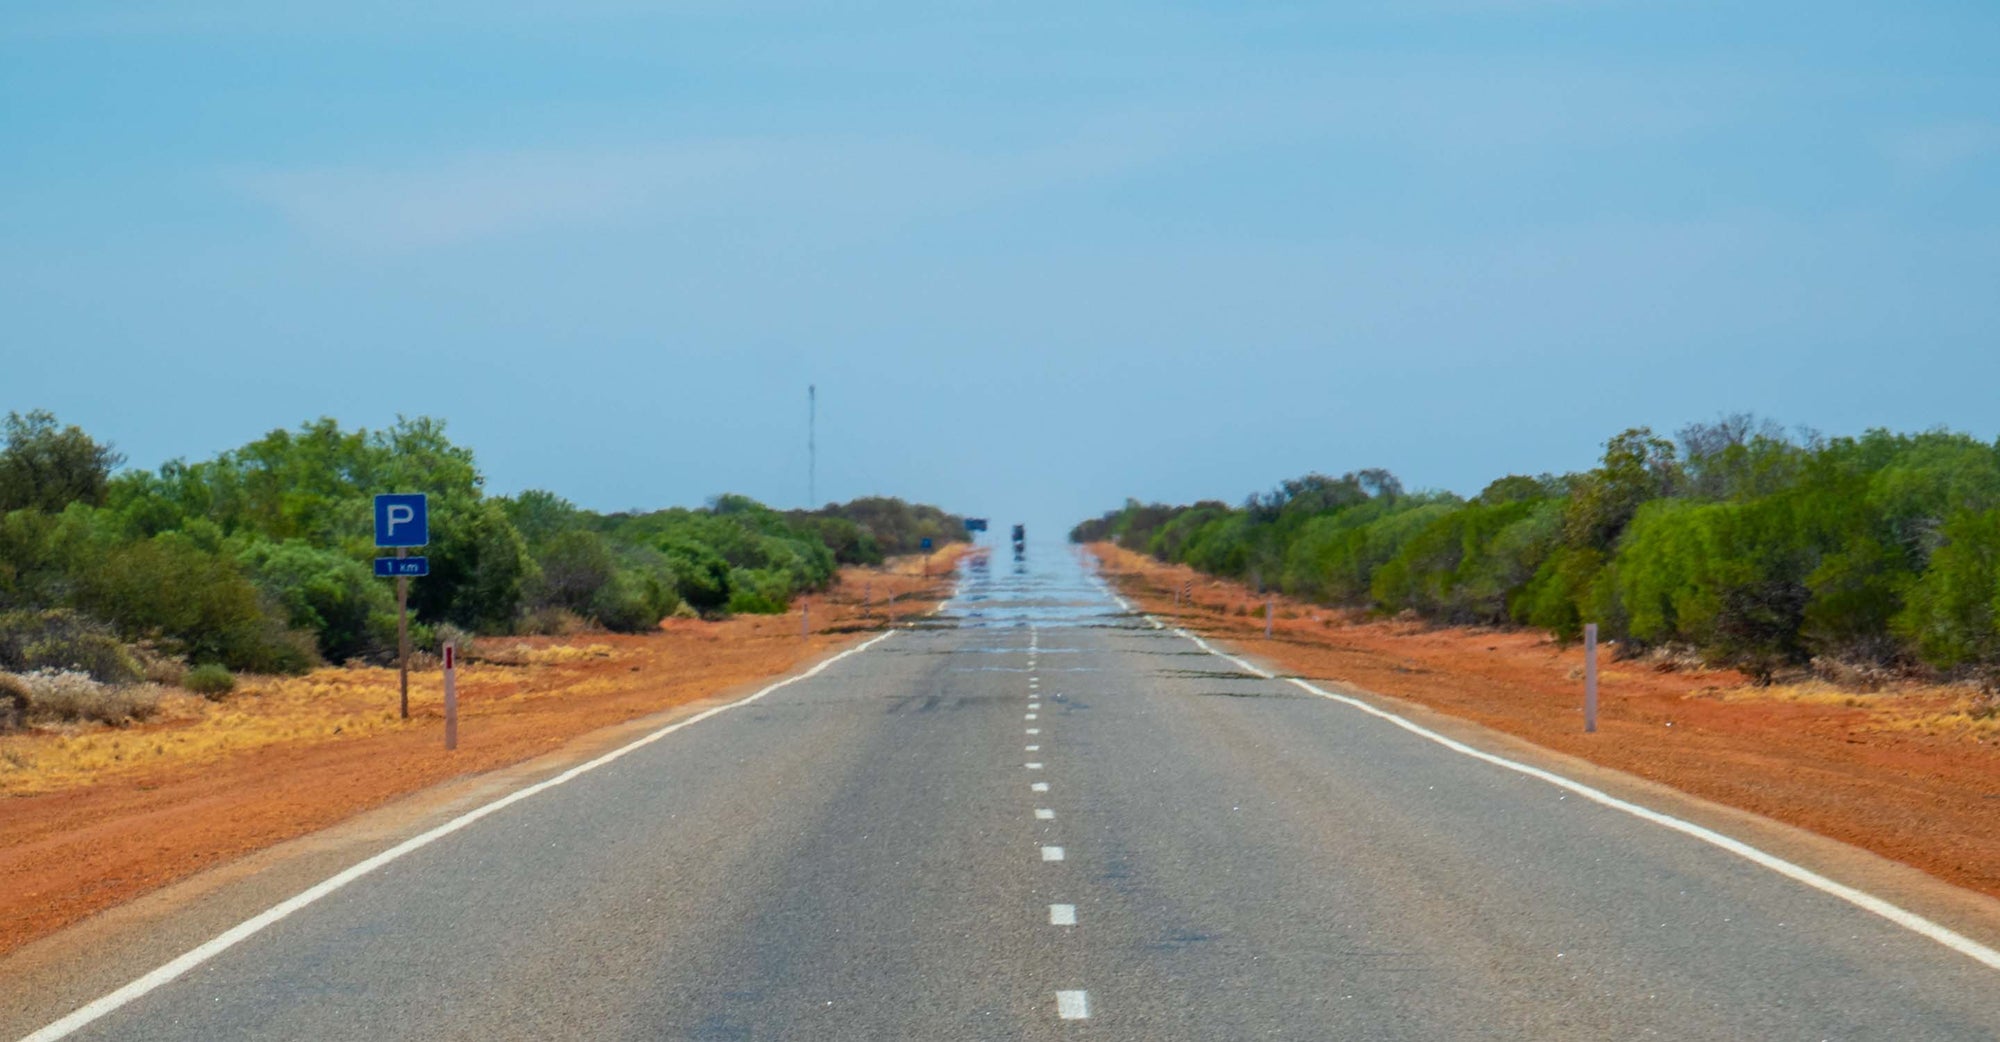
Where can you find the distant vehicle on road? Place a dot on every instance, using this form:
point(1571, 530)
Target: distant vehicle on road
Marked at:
point(1020, 539)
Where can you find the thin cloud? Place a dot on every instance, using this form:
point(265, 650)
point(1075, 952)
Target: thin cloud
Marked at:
point(824, 184)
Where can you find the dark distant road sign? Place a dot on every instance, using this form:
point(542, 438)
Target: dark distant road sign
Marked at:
point(925, 543)
point(401, 567)
point(975, 524)
point(402, 519)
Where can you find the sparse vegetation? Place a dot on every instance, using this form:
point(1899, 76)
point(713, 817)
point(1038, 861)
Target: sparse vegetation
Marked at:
point(209, 681)
point(1760, 550)
point(257, 560)
point(68, 696)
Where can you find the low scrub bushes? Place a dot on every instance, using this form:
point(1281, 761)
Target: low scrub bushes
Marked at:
point(1759, 550)
point(258, 559)
point(65, 640)
point(68, 696)
point(209, 681)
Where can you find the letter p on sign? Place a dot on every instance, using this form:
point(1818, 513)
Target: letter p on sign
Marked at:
point(402, 519)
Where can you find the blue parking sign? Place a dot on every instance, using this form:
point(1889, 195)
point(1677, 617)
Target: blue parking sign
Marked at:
point(402, 519)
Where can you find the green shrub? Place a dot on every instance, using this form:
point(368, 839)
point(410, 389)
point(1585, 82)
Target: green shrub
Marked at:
point(61, 639)
point(168, 588)
point(701, 574)
point(1953, 614)
point(209, 680)
point(349, 612)
point(758, 592)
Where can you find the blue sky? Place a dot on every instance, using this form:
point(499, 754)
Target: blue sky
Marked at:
point(1036, 256)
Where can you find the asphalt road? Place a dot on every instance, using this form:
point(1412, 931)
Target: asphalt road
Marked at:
point(1043, 818)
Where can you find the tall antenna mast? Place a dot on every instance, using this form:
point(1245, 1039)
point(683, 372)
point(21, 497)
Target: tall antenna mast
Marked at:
point(812, 449)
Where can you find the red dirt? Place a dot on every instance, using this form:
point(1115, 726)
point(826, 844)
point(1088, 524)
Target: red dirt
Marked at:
point(1885, 772)
point(68, 853)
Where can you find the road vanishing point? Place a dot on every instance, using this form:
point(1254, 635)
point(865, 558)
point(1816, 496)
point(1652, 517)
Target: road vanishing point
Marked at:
point(1040, 814)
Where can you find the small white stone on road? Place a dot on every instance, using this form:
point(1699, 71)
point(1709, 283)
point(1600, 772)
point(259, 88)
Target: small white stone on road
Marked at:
point(1073, 1005)
point(1062, 915)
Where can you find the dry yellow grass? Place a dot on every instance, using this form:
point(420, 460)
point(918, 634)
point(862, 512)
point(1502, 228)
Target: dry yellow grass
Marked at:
point(1941, 710)
point(326, 704)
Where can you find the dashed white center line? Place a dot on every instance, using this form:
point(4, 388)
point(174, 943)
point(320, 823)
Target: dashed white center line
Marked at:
point(1040, 786)
point(1052, 853)
point(1034, 730)
point(1034, 705)
point(1034, 766)
point(1032, 748)
point(1030, 716)
point(1062, 915)
point(1073, 1005)
point(1044, 814)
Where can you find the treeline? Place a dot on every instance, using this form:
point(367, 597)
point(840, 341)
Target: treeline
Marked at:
point(1757, 549)
point(259, 559)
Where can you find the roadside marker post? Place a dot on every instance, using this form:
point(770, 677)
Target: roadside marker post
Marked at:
point(1270, 611)
point(402, 520)
point(1589, 677)
point(450, 696)
point(925, 546)
point(805, 620)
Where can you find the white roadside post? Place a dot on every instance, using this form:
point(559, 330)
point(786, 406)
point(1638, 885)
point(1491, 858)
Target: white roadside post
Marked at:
point(450, 696)
point(1270, 611)
point(1589, 677)
point(805, 620)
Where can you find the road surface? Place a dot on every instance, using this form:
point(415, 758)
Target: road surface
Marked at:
point(1043, 817)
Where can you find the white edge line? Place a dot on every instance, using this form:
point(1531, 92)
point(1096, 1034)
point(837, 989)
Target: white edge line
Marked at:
point(222, 942)
point(1861, 899)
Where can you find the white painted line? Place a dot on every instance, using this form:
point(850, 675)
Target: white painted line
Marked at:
point(1034, 705)
point(1034, 730)
point(1052, 853)
point(1073, 1005)
point(1040, 786)
point(1044, 814)
point(1861, 899)
point(1062, 915)
point(1031, 748)
point(235, 935)
point(1030, 716)
point(1034, 766)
